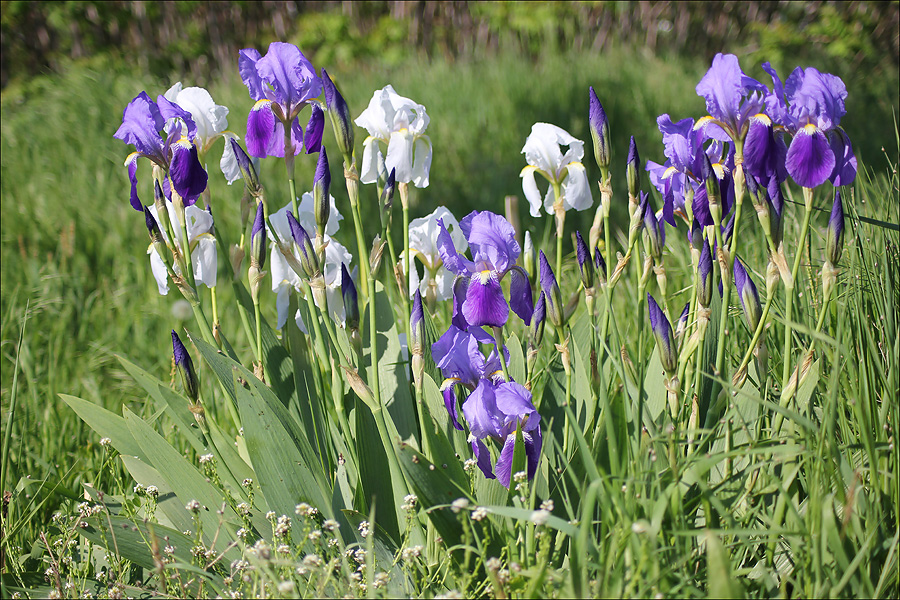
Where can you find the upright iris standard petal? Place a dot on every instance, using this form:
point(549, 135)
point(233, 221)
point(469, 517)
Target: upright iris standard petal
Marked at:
point(185, 367)
point(834, 234)
point(492, 239)
point(599, 131)
point(314, 130)
point(141, 124)
point(746, 290)
point(339, 113)
point(731, 96)
point(662, 331)
point(291, 76)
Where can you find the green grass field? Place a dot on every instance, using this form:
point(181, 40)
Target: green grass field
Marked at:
point(77, 292)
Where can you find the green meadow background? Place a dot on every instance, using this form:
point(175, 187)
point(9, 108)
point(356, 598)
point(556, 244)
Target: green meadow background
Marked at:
point(76, 283)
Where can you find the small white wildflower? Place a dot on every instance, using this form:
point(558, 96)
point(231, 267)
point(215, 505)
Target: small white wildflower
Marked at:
point(314, 535)
point(359, 555)
point(469, 465)
point(503, 576)
point(49, 573)
point(520, 477)
point(262, 549)
point(547, 505)
point(54, 594)
point(206, 459)
point(539, 517)
point(459, 504)
point(381, 579)
point(312, 560)
point(239, 565)
point(411, 552)
point(283, 549)
point(247, 482)
point(169, 549)
point(286, 587)
point(450, 595)
point(492, 564)
point(330, 525)
point(243, 508)
point(409, 502)
point(153, 491)
point(270, 515)
point(193, 506)
point(105, 442)
point(333, 543)
point(479, 513)
point(242, 534)
point(139, 490)
point(364, 529)
point(301, 508)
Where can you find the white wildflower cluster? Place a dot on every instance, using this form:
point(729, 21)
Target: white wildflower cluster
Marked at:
point(459, 504)
point(479, 513)
point(449, 595)
point(105, 442)
point(412, 552)
point(247, 483)
point(409, 502)
point(206, 459)
point(86, 510)
point(243, 509)
point(139, 489)
point(314, 535)
point(270, 516)
point(169, 549)
point(330, 525)
point(492, 564)
point(283, 526)
point(305, 510)
point(364, 529)
point(261, 549)
point(286, 587)
point(381, 580)
point(152, 492)
point(193, 506)
point(312, 561)
point(547, 505)
point(283, 549)
point(239, 565)
point(470, 465)
point(539, 517)
point(359, 555)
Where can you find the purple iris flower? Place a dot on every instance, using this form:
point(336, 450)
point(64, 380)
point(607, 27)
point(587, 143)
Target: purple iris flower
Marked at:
point(461, 362)
point(722, 170)
point(809, 105)
point(494, 252)
point(495, 411)
point(155, 129)
point(681, 173)
point(282, 82)
point(732, 98)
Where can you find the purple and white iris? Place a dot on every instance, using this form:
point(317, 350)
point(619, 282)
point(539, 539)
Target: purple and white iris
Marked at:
point(282, 82)
point(157, 131)
point(477, 287)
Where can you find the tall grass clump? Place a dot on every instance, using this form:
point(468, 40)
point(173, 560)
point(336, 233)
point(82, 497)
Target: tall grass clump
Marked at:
point(385, 380)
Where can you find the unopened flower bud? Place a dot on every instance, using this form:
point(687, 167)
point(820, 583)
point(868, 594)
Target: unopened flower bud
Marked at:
point(258, 239)
point(599, 266)
point(834, 235)
point(185, 367)
point(529, 256)
point(632, 172)
point(704, 271)
point(248, 171)
point(555, 307)
point(417, 331)
point(321, 192)
point(662, 331)
point(655, 226)
point(537, 321)
point(599, 131)
point(584, 261)
point(309, 260)
point(713, 189)
point(387, 196)
point(747, 293)
point(339, 113)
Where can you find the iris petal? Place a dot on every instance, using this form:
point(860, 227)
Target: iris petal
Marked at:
point(810, 159)
point(450, 402)
point(186, 172)
point(505, 460)
point(485, 304)
point(132, 176)
point(314, 130)
point(483, 456)
point(260, 129)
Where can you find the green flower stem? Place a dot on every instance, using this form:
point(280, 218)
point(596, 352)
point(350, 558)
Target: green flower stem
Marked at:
point(293, 191)
point(318, 341)
point(215, 315)
point(560, 219)
point(351, 178)
point(724, 272)
point(258, 347)
point(789, 294)
point(757, 333)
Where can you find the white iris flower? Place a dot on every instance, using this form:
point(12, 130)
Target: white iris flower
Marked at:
point(398, 124)
point(203, 246)
point(544, 155)
point(423, 236)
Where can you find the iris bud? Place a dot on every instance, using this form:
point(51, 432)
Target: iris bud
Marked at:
point(309, 260)
point(632, 174)
point(713, 189)
point(599, 131)
point(185, 367)
point(351, 307)
point(387, 197)
point(834, 235)
point(248, 171)
point(705, 280)
point(529, 256)
point(555, 307)
point(746, 290)
point(662, 331)
point(155, 234)
point(537, 320)
point(584, 261)
point(417, 332)
point(321, 192)
point(654, 225)
point(339, 113)
point(599, 266)
point(314, 130)
point(258, 239)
